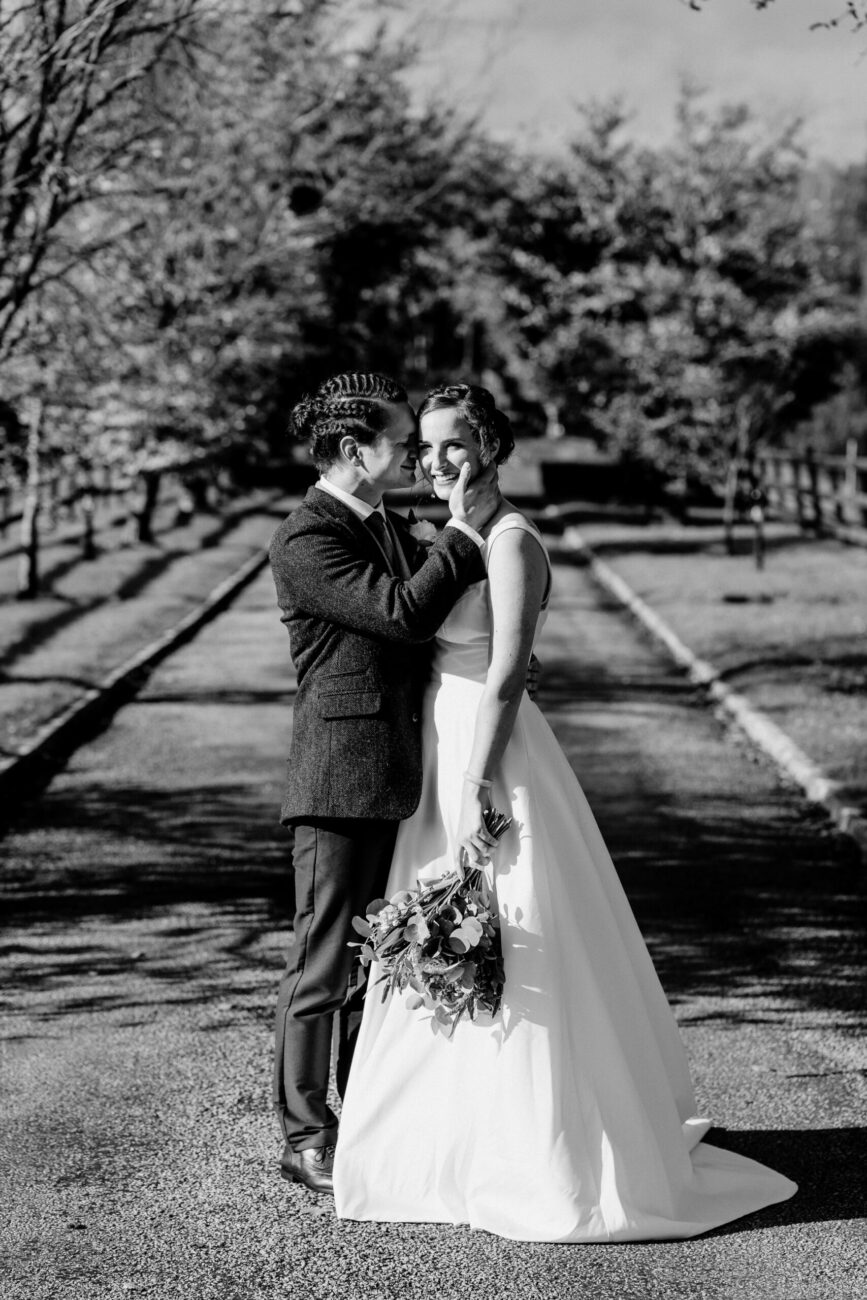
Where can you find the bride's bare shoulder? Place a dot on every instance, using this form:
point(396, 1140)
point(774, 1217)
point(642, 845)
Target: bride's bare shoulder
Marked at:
point(515, 544)
point(517, 561)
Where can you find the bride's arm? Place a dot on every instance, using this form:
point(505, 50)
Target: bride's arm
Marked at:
point(517, 577)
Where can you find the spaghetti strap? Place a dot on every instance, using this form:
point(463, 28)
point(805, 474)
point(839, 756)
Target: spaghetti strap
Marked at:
point(519, 522)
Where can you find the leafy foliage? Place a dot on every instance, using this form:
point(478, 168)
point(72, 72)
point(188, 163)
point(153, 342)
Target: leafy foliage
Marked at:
point(672, 302)
point(207, 207)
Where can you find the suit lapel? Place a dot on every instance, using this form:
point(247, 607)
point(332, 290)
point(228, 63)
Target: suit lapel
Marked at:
point(325, 503)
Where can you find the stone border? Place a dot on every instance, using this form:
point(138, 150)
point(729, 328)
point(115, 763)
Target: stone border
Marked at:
point(756, 725)
point(33, 766)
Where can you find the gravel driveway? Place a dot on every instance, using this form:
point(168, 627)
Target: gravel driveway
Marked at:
point(147, 901)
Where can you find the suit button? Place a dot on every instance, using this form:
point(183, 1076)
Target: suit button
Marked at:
point(415, 717)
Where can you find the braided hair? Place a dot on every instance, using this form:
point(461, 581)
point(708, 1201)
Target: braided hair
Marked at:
point(490, 428)
point(349, 404)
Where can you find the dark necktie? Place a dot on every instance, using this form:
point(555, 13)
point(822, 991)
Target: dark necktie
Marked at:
point(378, 525)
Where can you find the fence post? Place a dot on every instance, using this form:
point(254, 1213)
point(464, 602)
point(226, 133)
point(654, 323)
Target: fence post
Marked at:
point(797, 479)
point(837, 479)
point(769, 469)
point(815, 494)
point(850, 481)
point(731, 492)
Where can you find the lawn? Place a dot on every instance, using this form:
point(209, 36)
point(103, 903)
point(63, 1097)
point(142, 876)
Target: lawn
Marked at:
point(792, 636)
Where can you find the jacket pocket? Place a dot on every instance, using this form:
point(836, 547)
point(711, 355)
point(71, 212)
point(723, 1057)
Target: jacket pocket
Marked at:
point(349, 704)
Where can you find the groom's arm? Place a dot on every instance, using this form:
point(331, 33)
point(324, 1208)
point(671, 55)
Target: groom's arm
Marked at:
point(317, 571)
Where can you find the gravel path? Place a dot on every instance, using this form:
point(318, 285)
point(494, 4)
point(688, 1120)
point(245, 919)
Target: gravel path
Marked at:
point(147, 899)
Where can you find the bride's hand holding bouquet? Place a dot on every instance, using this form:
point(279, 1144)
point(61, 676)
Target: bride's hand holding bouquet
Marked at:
point(474, 838)
point(440, 942)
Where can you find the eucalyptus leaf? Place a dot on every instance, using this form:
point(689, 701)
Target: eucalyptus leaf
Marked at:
point(392, 939)
point(472, 929)
point(418, 928)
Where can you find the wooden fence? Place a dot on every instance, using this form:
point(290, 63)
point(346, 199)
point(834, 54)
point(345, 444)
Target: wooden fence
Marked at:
point(68, 504)
point(77, 509)
point(825, 494)
point(61, 499)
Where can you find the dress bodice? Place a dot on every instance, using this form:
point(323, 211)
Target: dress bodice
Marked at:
point(464, 639)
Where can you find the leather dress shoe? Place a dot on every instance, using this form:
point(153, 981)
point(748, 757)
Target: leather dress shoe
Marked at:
point(314, 1167)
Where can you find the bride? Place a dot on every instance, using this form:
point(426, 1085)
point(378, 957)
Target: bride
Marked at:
point(570, 1115)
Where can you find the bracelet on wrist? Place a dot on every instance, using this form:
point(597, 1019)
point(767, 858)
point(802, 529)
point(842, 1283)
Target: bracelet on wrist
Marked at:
point(478, 780)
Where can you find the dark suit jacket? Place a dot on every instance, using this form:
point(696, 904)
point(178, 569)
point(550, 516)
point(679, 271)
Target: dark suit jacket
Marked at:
point(358, 637)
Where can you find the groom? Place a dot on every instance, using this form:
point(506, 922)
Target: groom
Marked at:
point(361, 600)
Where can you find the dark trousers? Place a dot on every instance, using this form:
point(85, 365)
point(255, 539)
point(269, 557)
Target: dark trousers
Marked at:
point(341, 864)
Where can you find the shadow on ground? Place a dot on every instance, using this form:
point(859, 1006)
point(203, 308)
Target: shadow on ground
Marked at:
point(827, 1164)
point(744, 895)
point(122, 849)
point(730, 904)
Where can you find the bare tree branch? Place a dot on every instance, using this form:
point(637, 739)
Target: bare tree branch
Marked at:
point(67, 74)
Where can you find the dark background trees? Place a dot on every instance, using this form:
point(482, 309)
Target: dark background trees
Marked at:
point(208, 207)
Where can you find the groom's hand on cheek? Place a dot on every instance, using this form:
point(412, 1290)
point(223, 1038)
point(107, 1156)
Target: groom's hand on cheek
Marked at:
point(476, 502)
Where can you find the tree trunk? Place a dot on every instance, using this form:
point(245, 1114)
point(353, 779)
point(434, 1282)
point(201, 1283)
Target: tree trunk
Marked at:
point(150, 493)
point(28, 570)
point(88, 532)
point(758, 505)
point(198, 486)
point(850, 485)
point(730, 503)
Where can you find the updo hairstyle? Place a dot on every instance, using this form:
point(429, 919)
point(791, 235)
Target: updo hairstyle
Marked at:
point(489, 426)
point(351, 404)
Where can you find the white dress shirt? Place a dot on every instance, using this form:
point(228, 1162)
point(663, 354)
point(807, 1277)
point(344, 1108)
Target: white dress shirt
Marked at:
point(364, 511)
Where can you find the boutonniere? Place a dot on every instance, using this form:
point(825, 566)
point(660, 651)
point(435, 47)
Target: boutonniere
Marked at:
point(422, 530)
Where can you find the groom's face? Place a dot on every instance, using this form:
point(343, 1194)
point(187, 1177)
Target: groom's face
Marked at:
point(390, 461)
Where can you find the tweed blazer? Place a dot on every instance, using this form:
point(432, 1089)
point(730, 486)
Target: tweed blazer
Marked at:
point(359, 638)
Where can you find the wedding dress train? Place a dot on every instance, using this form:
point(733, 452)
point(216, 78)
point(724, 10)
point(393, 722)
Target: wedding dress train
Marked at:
point(570, 1116)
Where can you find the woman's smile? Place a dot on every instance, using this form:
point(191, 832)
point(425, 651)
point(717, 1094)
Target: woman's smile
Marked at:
point(446, 443)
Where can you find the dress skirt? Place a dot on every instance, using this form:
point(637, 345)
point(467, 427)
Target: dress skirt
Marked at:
point(570, 1116)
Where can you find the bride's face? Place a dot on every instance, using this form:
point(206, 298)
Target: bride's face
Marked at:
point(446, 443)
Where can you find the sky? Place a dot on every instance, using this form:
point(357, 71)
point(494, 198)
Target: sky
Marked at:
point(527, 63)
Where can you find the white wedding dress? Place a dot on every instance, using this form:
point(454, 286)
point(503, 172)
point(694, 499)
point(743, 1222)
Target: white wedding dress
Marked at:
point(570, 1116)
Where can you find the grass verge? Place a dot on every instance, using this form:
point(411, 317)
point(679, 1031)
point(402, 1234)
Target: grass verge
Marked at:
point(792, 637)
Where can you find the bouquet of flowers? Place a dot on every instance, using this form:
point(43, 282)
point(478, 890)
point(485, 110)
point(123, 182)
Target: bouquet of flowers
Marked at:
point(441, 941)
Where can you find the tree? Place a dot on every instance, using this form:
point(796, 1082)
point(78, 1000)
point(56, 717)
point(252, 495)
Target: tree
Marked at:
point(179, 270)
point(668, 302)
point(69, 73)
point(854, 13)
